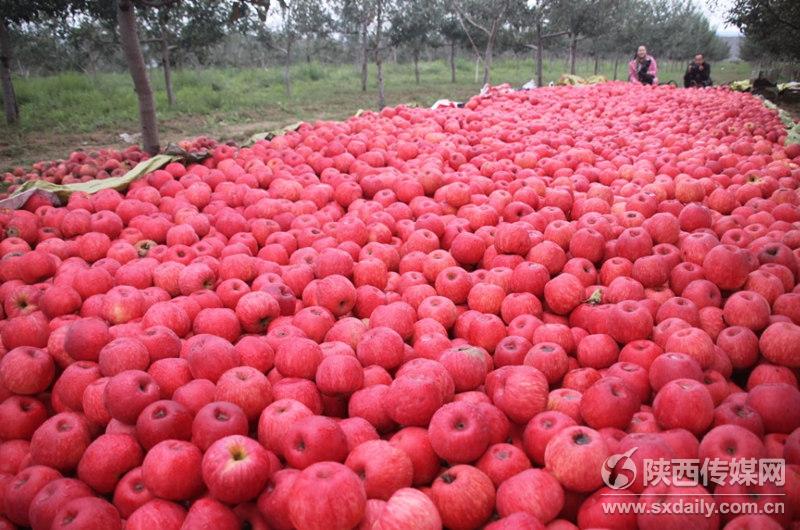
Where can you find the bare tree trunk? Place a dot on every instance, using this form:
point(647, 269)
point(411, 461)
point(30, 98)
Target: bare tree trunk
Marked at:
point(616, 67)
point(487, 60)
point(416, 65)
point(364, 55)
point(91, 65)
point(287, 67)
point(539, 46)
point(126, 20)
point(287, 63)
point(573, 52)
point(477, 66)
point(9, 97)
point(378, 58)
point(165, 61)
point(452, 61)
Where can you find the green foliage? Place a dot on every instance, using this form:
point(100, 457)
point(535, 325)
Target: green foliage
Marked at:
point(656, 24)
point(772, 26)
point(19, 11)
point(415, 22)
point(585, 18)
point(310, 72)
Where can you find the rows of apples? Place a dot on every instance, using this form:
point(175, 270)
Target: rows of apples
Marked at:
point(83, 166)
point(80, 166)
point(414, 319)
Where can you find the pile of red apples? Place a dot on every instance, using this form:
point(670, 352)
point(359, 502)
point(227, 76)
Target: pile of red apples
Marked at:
point(414, 319)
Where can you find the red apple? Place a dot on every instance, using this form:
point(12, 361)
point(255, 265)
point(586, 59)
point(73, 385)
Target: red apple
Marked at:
point(533, 491)
point(519, 391)
point(171, 470)
point(464, 497)
point(502, 461)
point(383, 467)
point(22, 490)
point(277, 419)
point(50, 499)
point(246, 387)
point(235, 469)
point(313, 439)
point(217, 420)
point(779, 342)
point(609, 402)
point(409, 508)
point(273, 503)
point(26, 370)
point(60, 441)
point(327, 495)
point(684, 403)
point(88, 512)
point(130, 493)
point(156, 513)
point(776, 403)
point(103, 473)
point(128, 393)
point(208, 513)
point(575, 457)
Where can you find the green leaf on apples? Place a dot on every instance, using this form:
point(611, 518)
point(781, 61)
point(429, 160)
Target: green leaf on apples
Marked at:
point(794, 135)
point(269, 135)
point(59, 193)
point(596, 298)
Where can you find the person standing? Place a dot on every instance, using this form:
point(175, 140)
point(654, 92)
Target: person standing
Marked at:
point(698, 73)
point(643, 68)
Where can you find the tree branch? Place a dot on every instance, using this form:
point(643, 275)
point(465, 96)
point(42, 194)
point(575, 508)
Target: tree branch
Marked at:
point(466, 32)
point(775, 15)
point(156, 3)
point(469, 19)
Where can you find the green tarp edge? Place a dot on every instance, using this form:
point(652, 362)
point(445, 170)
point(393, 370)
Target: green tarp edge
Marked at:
point(63, 191)
point(792, 128)
point(269, 135)
point(794, 135)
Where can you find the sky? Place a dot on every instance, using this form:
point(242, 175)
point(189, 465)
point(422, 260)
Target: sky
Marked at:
point(716, 15)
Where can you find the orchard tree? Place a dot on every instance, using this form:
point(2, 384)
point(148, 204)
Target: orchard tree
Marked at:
point(125, 12)
point(132, 50)
point(770, 26)
point(164, 39)
point(90, 43)
point(303, 19)
point(487, 18)
point(180, 27)
point(583, 19)
point(453, 33)
point(532, 21)
point(366, 14)
point(698, 36)
point(356, 17)
point(414, 24)
point(382, 8)
point(13, 13)
point(656, 26)
point(198, 26)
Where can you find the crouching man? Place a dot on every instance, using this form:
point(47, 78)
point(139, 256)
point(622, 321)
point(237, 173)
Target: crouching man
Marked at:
point(698, 74)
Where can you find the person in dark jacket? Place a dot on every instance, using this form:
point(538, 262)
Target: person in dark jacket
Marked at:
point(698, 74)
